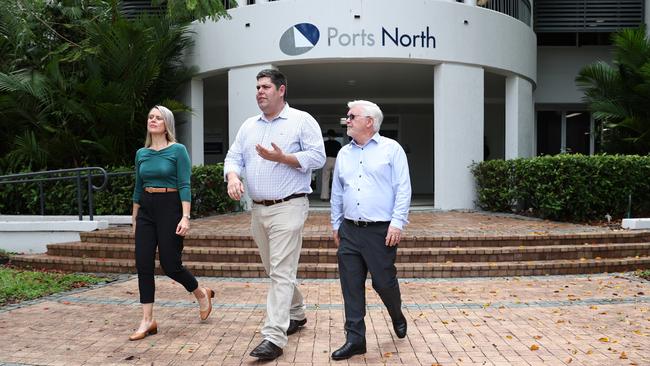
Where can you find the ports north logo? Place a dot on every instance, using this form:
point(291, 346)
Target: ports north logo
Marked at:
point(299, 39)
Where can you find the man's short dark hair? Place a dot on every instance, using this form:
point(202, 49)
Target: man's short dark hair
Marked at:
point(277, 78)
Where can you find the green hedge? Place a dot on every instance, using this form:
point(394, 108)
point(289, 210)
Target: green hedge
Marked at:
point(566, 187)
point(209, 195)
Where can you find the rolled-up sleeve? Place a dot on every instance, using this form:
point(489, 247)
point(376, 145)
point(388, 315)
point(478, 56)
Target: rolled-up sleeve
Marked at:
point(312, 154)
point(234, 161)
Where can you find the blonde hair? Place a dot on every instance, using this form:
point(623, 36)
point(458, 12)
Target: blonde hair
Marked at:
point(168, 118)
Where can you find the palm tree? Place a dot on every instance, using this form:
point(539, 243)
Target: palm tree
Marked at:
point(78, 78)
point(619, 94)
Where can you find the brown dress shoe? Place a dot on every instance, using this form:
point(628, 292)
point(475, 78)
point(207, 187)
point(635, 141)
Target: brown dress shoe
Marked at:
point(210, 294)
point(153, 329)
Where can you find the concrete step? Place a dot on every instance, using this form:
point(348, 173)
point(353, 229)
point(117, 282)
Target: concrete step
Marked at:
point(410, 240)
point(330, 270)
point(405, 255)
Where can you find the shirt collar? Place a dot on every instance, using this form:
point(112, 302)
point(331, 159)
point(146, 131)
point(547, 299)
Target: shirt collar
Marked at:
point(284, 114)
point(376, 137)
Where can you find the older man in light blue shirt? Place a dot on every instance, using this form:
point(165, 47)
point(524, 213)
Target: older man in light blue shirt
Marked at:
point(277, 149)
point(371, 195)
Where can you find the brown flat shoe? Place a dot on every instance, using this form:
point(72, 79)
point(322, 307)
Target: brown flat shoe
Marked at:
point(210, 294)
point(153, 329)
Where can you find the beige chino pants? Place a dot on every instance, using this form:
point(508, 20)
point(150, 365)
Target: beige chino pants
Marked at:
point(327, 171)
point(277, 231)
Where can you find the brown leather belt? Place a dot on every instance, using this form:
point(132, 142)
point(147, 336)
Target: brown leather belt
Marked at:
point(273, 202)
point(159, 189)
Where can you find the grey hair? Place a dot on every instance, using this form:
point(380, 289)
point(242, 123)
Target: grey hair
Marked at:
point(170, 129)
point(369, 109)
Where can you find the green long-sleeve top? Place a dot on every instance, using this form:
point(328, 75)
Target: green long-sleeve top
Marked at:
point(169, 168)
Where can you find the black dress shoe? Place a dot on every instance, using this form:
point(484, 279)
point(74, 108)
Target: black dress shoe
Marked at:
point(348, 350)
point(294, 325)
point(400, 328)
point(266, 351)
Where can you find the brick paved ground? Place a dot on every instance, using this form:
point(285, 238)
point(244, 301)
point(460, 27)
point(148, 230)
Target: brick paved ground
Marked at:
point(556, 320)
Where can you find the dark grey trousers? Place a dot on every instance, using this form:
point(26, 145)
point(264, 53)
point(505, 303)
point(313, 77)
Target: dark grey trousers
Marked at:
point(363, 249)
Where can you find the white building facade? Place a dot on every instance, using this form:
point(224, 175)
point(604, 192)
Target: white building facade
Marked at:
point(457, 82)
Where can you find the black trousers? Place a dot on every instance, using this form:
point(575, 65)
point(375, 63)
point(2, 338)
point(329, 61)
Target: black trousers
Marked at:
point(158, 216)
point(363, 249)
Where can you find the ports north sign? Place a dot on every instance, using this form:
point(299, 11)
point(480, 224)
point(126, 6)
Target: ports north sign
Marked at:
point(304, 36)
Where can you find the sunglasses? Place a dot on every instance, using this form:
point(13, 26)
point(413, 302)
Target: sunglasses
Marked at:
point(351, 117)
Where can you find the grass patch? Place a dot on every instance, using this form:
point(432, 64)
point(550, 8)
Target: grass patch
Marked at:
point(19, 285)
point(645, 274)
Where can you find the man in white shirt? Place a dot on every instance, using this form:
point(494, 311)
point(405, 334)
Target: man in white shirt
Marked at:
point(277, 150)
point(371, 195)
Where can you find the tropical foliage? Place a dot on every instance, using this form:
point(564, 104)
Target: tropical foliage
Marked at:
point(77, 78)
point(566, 187)
point(619, 94)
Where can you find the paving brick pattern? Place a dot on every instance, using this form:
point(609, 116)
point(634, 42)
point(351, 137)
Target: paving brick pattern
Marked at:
point(598, 320)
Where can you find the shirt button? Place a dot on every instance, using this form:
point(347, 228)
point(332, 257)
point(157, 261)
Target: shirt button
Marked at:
point(361, 162)
point(359, 189)
point(357, 203)
point(359, 175)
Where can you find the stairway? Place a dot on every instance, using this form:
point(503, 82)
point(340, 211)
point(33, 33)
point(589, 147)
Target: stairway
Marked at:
point(418, 255)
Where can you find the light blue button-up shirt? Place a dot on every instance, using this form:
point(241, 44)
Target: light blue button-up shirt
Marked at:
point(295, 132)
point(371, 183)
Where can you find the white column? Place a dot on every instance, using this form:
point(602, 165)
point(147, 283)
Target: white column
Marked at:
point(458, 133)
point(519, 118)
point(189, 126)
point(242, 104)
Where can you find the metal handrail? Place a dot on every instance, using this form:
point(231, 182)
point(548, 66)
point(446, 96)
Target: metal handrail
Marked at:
point(50, 175)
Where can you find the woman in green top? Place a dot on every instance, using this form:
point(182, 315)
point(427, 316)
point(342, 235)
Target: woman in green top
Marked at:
point(161, 216)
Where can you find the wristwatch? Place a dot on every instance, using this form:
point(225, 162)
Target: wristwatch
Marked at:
point(188, 216)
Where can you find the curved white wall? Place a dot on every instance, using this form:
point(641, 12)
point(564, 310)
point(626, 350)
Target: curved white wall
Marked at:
point(463, 34)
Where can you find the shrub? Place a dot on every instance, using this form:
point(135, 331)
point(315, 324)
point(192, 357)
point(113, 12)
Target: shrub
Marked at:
point(209, 195)
point(565, 187)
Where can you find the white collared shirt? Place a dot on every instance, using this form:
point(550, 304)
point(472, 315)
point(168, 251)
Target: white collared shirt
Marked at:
point(295, 132)
point(371, 183)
